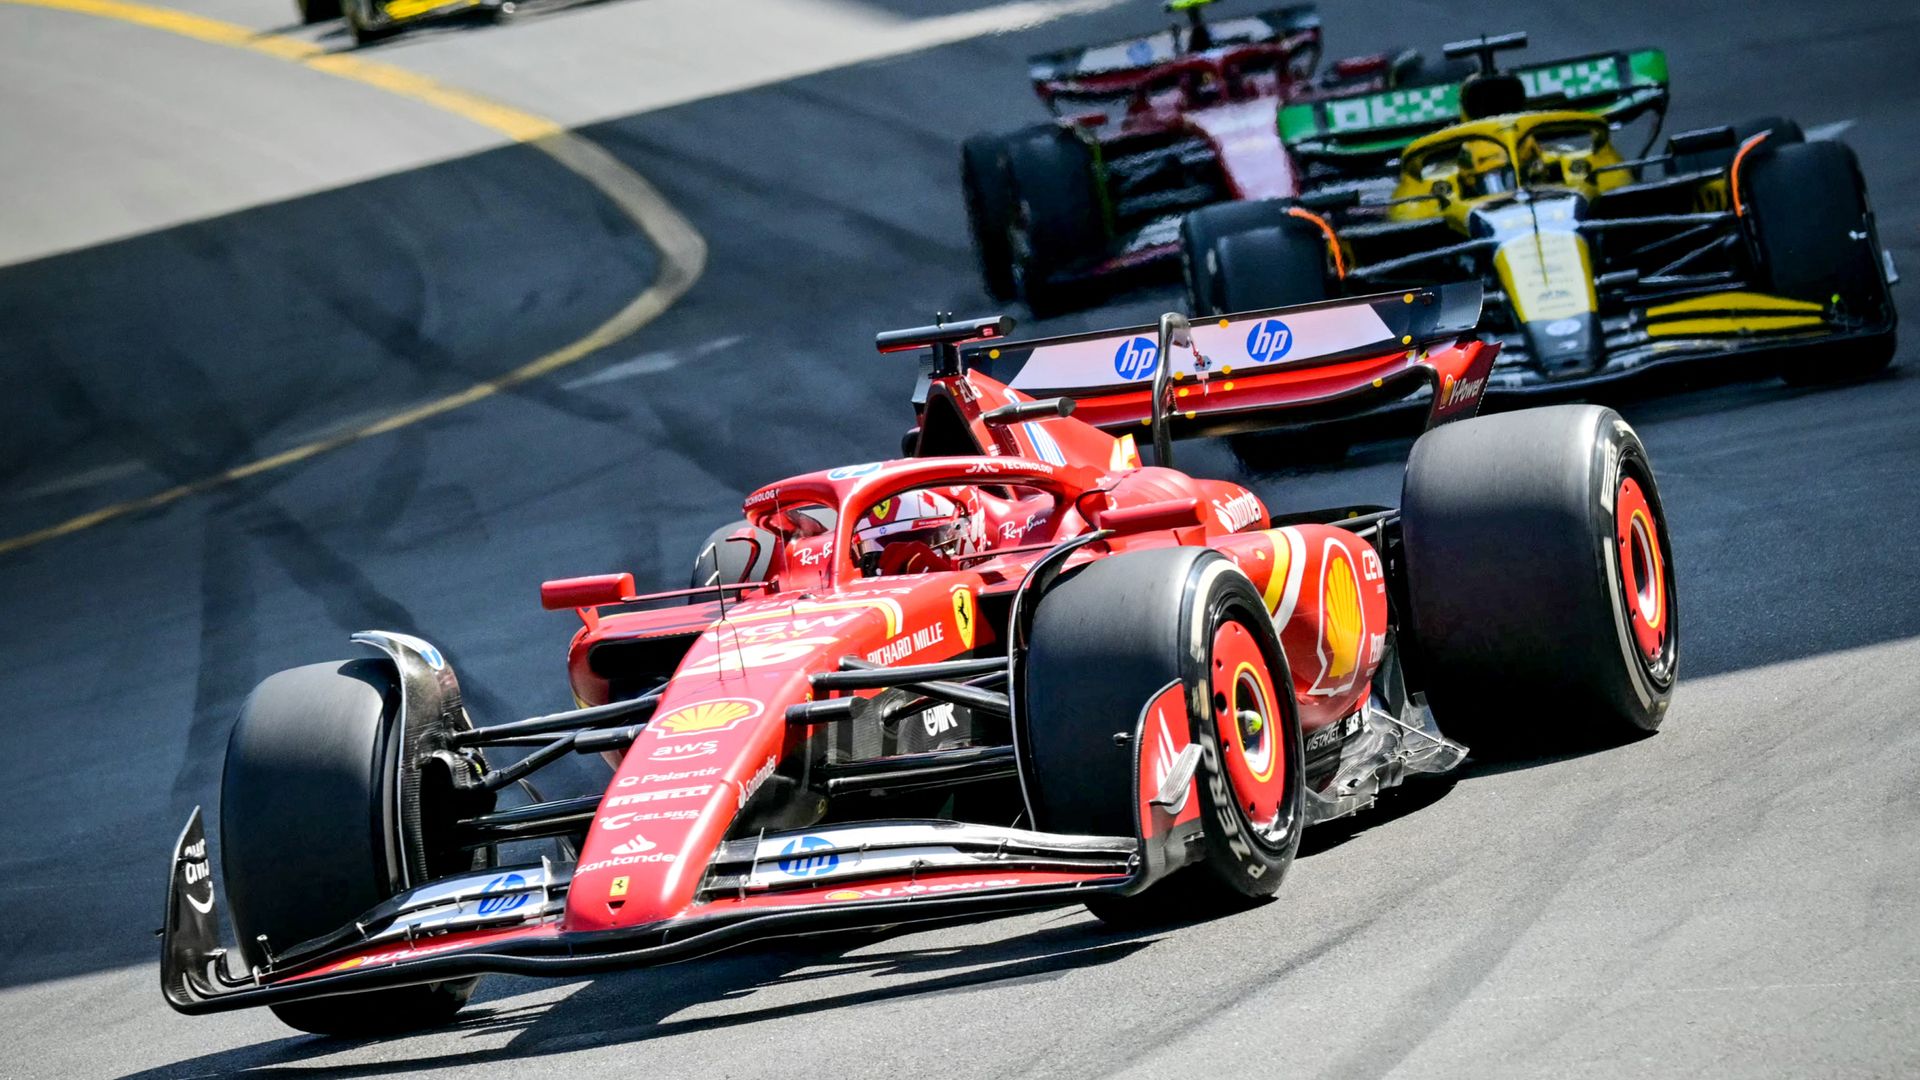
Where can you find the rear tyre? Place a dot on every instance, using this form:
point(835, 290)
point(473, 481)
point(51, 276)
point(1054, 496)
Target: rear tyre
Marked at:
point(1106, 643)
point(989, 193)
point(1057, 223)
point(1811, 234)
point(727, 562)
point(1275, 263)
point(313, 11)
point(305, 812)
point(1200, 232)
point(1539, 580)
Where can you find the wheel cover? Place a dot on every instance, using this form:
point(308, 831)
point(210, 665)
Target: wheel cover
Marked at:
point(1251, 730)
point(1643, 571)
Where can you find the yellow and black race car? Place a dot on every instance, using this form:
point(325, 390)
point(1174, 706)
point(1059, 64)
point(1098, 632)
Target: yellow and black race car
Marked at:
point(1737, 240)
point(371, 20)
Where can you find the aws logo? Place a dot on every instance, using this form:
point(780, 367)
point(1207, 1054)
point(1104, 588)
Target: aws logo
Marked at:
point(719, 714)
point(1343, 621)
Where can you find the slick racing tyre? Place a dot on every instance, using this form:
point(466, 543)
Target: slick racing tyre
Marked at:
point(1539, 580)
point(1811, 234)
point(1057, 223)
point(725, 562)
point(305, 809)
point(313, 11)
point(1245, 256)
point(989, 194)
point(1106, 643)
point(1200, 231)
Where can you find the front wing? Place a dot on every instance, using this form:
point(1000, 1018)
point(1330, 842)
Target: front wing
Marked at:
point(510, 920)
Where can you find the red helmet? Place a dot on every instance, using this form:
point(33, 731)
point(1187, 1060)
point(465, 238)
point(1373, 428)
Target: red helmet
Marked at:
point(919, 530)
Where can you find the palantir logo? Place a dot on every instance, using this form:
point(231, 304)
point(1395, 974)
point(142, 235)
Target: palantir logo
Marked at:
point(1269, 341)
point(795, 862)
point(1136, 358)
point(497, 897)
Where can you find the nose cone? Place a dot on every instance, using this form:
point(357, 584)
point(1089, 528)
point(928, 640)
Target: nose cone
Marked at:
point(1565, 347)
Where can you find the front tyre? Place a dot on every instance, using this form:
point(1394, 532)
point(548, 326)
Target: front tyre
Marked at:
point(1811, 234)
point(306, 807)
point(1540, 580)
point(1109, 641)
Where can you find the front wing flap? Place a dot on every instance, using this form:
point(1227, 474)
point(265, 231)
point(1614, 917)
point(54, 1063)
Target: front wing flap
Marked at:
point(874, 873)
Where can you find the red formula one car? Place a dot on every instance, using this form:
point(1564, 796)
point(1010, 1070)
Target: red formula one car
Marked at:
point(1014, 669)
point(1145, 130)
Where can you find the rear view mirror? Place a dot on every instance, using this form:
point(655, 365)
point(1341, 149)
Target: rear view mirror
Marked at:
point(1702, 140)
point(585, 592)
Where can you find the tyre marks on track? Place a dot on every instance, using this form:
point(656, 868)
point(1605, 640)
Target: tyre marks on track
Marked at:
point(682, 250)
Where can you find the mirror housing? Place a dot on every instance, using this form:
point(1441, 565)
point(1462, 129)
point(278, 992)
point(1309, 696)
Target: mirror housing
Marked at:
point(585, 592)
point(1701, 140)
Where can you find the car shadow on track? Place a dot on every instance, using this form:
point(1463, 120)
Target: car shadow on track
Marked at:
point(637, 1006)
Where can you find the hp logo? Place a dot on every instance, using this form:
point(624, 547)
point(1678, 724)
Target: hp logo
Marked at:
point(495, 899)
point(1136, 358)
point(795, 862)
point(1269, 341)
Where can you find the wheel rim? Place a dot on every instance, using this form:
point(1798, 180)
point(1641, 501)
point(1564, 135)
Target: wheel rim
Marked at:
point(1251, 730)
point(1643, 572)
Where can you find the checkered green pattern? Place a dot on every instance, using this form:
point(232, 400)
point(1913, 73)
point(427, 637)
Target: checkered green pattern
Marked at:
point(1578, 80)
point(1396, 108)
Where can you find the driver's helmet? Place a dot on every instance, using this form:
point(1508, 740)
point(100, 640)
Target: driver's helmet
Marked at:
point(918, 531)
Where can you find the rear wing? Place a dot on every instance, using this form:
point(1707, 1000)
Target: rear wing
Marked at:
point(1379, 125)
point(1058, 71)
point(1257, 369)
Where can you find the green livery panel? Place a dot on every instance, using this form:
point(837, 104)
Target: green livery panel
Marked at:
point(1382, 122)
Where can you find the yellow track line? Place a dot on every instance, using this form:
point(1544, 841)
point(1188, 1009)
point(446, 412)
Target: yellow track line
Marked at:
point(683, 254)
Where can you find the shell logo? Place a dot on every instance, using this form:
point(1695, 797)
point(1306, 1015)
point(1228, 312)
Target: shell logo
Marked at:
point(1343, 622)
point(844, 894)
point(719, 714)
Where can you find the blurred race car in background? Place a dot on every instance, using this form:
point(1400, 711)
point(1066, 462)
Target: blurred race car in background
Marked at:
point(371, 20)
point(1736, 241)
point(1014, 669)
point(1145, 130)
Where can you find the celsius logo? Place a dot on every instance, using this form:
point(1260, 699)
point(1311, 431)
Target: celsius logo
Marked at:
point(501, 894)
point(796, 863)
point(1136, 358)
point(1269, 341)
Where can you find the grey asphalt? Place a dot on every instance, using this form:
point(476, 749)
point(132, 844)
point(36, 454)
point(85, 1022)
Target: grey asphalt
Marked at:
point(1732, 897)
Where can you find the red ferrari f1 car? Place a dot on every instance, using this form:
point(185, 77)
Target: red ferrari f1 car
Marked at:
point(1013, 669)
point(1143, 131)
